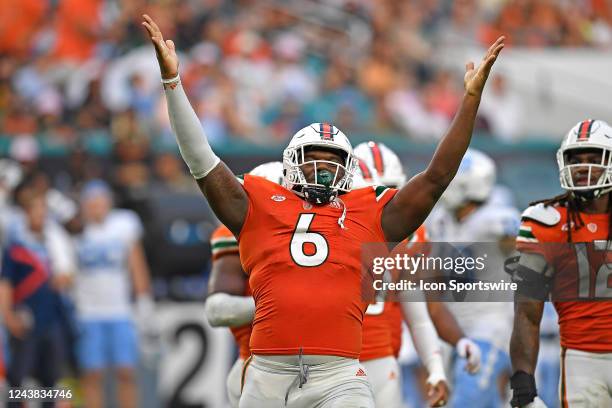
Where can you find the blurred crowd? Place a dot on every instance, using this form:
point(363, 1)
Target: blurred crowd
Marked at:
point(81, 72)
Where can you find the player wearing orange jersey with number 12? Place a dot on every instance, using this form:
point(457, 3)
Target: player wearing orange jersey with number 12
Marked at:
point(300, 243)
point(564, 244)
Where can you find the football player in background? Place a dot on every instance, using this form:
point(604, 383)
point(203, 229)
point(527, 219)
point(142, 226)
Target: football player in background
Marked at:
point(382, 325)
point(464, 216)
point(111, 266)
point(299, 243)
point(564, 245)
point(230, 302)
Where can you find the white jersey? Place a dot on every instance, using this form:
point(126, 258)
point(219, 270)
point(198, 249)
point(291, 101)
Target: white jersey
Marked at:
point(489, 321)
point(103, 283)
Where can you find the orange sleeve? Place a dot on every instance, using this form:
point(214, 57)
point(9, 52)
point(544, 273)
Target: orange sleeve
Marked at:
point(223, 242)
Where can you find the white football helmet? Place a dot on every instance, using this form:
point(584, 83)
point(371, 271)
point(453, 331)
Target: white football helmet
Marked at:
point(323, 188)
point(588, 134)
point(272, 171)
point(474, 180)
point(380, 165)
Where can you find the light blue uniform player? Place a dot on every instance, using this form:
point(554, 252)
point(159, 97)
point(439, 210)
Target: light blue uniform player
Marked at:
point(465, 215)
point(111, 266)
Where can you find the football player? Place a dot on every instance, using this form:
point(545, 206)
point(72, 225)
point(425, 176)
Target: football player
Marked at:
point(111, 265)
point(300, 244)
point(464, 215)
point(382, 340)
point(230, 302)
point(574, 274)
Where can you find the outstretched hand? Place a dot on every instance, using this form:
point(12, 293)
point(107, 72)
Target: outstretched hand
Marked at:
point(437, 395)
point(165, 50)
point(475, 78)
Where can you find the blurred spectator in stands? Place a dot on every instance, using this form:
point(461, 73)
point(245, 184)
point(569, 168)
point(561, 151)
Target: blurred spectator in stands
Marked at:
point(292, 79)
point(80, 167)
point(37, 265)
point(502, 110)
point(446, 93)
point(461, 30)
point(255, 72)
point(111, 267)
point(24, 150)
point(214, 95)
point(416, 112)
point(341, 98)
point(18, 25)
point(172, 176)
point(78, 29)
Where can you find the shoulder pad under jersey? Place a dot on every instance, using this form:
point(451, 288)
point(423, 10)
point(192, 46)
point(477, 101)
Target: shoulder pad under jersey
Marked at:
point(547, 215)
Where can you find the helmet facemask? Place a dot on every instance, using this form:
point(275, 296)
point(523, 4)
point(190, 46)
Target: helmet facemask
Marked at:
point(329, 178)
point(592, 188)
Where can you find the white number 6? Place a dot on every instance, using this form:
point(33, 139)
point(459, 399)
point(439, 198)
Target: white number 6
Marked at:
point(301, 236)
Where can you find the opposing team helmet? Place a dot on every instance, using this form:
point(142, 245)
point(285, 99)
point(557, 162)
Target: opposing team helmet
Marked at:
point(272, 171)
point(474, 180)
point(322, 189)
point(380, 165)
point(588, 134)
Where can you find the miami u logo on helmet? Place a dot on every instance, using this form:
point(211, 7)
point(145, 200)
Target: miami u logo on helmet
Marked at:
point(327, 131)
point(584, 130)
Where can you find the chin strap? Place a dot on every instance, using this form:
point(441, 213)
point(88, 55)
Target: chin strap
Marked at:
point(588, 195)
point(343, 216)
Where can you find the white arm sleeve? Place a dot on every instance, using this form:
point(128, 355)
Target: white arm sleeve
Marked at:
point(425, 338)
point(190, 136)
point(222, 309)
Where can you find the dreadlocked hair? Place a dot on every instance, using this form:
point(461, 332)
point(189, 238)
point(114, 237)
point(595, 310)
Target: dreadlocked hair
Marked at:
point(572, 204)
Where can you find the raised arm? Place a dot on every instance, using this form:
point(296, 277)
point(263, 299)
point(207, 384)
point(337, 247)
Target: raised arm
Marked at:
point(223, 191)
point(411, 205)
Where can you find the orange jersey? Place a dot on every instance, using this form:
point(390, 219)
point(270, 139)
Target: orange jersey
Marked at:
point(223, 243)
point(382, 325)
point(305, 270)
point(584, 325)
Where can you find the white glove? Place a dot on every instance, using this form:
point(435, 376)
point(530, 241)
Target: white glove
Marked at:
point(469, 350)
point(536, 403)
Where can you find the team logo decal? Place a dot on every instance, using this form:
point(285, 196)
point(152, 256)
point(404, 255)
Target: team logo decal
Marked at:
point(326, 131)
point(592, 227)
point(307, 205)
point(585, 130)
point(278, 198)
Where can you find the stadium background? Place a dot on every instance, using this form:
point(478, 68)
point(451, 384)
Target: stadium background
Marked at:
point(80, 98)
